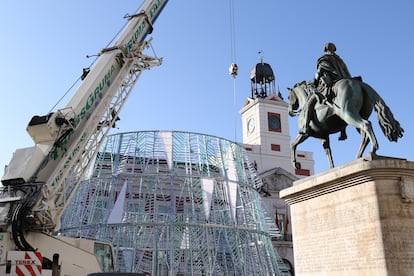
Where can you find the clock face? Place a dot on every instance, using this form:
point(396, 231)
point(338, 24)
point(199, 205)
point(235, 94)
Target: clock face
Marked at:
point(274, 122)
point(250, 125)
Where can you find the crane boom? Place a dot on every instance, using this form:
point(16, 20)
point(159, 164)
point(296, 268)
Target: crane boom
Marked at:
point(40, 180)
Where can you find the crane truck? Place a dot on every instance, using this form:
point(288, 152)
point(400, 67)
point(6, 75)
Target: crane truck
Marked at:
point(39, 181)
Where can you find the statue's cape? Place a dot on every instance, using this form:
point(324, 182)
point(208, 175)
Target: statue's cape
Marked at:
point(334, 64)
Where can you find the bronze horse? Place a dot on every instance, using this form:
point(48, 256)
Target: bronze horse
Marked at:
point(352, 104)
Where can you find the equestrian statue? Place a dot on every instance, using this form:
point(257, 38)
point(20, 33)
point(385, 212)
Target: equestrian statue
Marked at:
point(334, 100)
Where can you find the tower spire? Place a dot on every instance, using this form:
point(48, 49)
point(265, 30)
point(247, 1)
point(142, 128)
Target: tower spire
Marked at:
point(260, 56)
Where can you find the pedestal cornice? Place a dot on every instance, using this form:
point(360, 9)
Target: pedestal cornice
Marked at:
point(365, 169)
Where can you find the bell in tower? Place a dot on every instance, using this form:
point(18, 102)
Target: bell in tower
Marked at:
point(262, 80)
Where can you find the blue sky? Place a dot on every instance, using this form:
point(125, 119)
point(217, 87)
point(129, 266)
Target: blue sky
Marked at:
point(45, 43)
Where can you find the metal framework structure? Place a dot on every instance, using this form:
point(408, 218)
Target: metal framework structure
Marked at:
point(175, 203)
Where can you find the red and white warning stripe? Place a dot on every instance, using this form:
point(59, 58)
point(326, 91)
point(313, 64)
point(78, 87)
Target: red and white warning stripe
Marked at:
point(26, 263)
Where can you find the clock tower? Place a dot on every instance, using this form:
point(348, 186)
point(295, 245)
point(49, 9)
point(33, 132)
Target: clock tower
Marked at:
point(266, 139)
point(265, 127)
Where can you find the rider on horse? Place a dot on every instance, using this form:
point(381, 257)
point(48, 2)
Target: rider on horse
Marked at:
point(330, 68)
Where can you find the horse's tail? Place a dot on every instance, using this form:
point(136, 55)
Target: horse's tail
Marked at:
point(389, 125)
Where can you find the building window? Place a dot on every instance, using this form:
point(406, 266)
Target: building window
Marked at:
point(302, 172)
point(282, 223)
point(275, 147)
point(273, 122)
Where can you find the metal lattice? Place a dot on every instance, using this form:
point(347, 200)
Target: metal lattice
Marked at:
point(175, 203)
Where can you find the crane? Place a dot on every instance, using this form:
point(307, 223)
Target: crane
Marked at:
point(39, 181)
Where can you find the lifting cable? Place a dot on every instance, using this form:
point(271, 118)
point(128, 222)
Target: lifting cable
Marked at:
point(233, 69)
point(87, 69)
point(232, 35)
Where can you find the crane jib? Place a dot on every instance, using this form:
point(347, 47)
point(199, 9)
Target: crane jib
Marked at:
point(134, 38)
point(93, 96)
point(139, 32)
point(155, 9)
point(91, 101)
point(96, 95)
point(70, 157)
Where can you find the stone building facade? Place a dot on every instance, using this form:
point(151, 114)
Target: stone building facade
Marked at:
point(266, 138)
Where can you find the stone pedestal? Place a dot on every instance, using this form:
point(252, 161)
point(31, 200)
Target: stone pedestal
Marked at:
point(356, 219)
